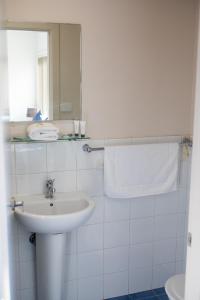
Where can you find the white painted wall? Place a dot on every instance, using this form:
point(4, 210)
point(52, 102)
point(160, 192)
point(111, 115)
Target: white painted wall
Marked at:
point(137, 61)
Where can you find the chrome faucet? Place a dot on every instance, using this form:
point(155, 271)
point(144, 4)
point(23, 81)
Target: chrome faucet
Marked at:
point(50, 189)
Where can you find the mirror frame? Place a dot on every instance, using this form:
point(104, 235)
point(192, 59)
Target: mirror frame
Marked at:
point(54, 74)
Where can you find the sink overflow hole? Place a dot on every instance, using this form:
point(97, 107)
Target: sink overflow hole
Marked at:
point(51, 204)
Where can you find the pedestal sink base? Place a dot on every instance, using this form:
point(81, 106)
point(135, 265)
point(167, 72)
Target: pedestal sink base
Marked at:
point(49, 266)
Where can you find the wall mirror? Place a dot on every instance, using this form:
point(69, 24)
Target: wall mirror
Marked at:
point(44, 71)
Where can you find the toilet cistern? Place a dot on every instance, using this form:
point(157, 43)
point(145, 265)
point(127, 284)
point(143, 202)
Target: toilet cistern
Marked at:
point(50, 189)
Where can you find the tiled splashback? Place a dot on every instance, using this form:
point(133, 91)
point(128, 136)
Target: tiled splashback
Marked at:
point(126, 246)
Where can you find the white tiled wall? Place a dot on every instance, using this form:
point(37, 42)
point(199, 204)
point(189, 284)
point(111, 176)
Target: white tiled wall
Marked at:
point(126, 246)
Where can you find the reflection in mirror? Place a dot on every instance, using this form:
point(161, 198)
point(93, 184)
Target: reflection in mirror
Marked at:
point(28, 71)
point(44, 71)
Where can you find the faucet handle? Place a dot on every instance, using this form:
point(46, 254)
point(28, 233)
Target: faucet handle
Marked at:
point(13, 203)
point(50, 181)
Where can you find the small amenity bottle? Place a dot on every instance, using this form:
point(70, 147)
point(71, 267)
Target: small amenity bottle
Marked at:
point(76, 127)
point(82, 127)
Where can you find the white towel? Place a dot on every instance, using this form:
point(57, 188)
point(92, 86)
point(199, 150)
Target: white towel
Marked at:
point(42, 132)
point(140, 170)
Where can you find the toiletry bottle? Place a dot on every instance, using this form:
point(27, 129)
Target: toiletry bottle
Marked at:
point(82, 127)
point(76, 127)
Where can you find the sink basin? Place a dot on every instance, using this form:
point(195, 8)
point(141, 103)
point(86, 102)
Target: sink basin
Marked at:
point(63, 213)
point(50, 219)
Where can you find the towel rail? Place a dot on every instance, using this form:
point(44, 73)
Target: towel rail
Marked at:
point(187, 141)
point(86, 148)
point(89, 149)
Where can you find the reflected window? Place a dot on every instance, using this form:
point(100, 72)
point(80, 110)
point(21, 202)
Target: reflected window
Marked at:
point(28, 75)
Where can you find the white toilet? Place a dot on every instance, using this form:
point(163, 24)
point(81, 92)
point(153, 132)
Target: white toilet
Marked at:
point(175, 287)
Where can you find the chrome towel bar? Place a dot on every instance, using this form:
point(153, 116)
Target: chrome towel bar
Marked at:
point(187, 141)
point(89, 149)
point(86, 148)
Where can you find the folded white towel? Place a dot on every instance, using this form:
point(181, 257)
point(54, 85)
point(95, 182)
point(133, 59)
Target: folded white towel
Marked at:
point(43, 132)
point(140, 170)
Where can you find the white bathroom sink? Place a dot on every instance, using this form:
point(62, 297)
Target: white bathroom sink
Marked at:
point(63, 213)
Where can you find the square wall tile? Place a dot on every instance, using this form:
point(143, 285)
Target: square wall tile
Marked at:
point(11, 185)
point(141, 255)
point(161, 273)
point(180, 266)
point(26, 249)
point(13, 236)
point(189, 176)
point(182, 225)
point(90, 264)
point(140, 279)
point(64, 181)
point(90, 288)
point(30, 158)
point(142, 207)
point(90, 181)
point(61, 156)
point(31, 183)
point(90, 238)
point(141, 230)
point(70, 290)
point(183, 200)
point(115, 284)
point(166, 203)
point(164, 251)
point(184, 169)
point(181, 249)
point(16, 295)
point(71, 242)
point(27, 275)
point(116, 259)
point(15, 276)
point(93, 160)
point(116, 234)
point(70, 267)
point(165, 227)
point(29, 294)
point(117, 209)
point(10, 158)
